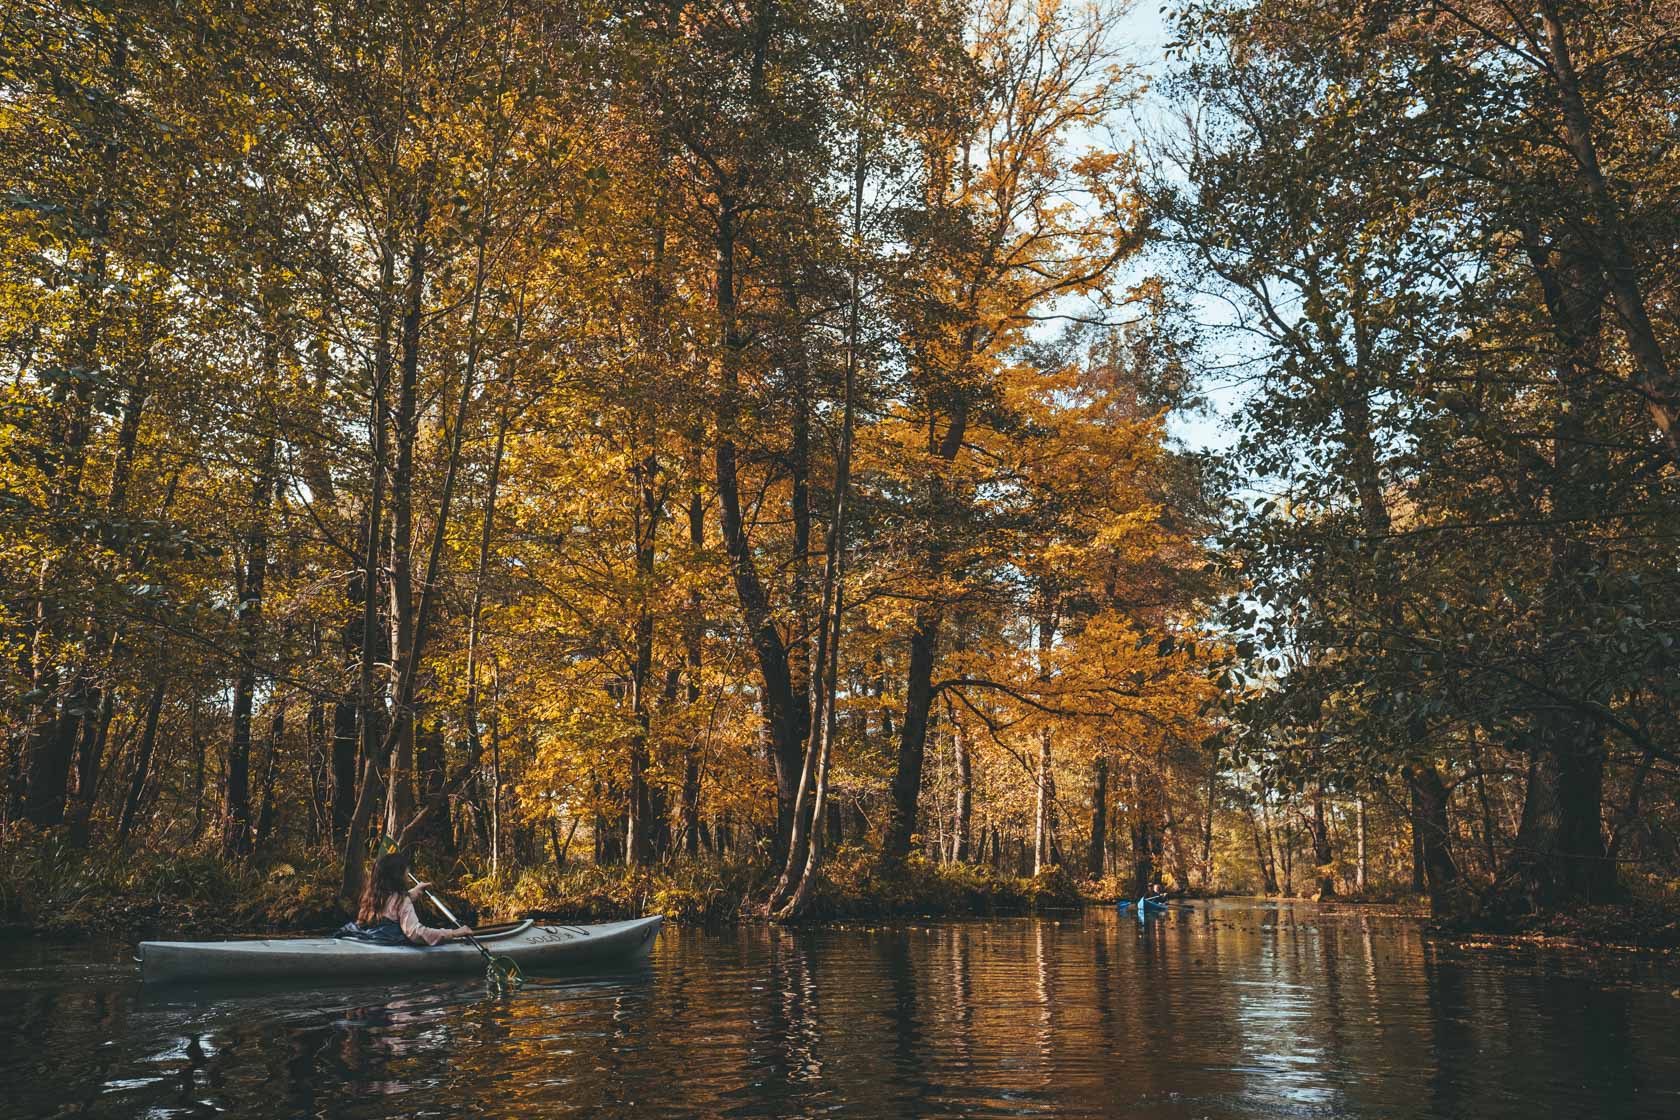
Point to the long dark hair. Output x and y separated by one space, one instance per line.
388 878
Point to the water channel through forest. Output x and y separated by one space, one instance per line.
1227 1009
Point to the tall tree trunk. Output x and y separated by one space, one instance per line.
785 717
355 833
918 697
1361 867
96 730
51 746
317 473
825 669
1143 854
962 825
142 764
804 658
1559 856
101 698
198 786
924 638
1044 832
1279 855
1175 840
344 739
693 651
399 777
1434 834
1262 854
432 827
1420 879
1207 826
266 813
236 800
1431 860
642 822
470 714
1044 856
1145 833
1095 861
408 671
317 764
1650 365
649 807
1489 854
1286 857
1322 854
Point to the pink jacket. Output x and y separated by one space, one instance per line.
400 909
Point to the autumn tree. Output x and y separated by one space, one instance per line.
1012 216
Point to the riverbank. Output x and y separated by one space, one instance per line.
49 889
854 886
1642 923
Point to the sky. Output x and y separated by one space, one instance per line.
1142 35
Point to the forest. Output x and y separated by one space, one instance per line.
729 456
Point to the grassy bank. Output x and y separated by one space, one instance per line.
49 888
854 887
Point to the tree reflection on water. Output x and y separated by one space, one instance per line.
1224 1010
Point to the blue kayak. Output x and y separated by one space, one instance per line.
1144 905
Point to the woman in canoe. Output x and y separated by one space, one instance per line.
387 910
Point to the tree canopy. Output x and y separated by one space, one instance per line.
741 432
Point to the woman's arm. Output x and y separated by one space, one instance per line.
417 932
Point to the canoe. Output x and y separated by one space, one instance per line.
533 946
1144 905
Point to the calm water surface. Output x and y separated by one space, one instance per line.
1227 1010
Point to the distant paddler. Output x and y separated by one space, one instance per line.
1152 902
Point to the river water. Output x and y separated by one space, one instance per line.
1229 1009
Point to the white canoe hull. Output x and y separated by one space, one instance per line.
532 945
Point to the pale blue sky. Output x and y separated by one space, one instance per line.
1141 36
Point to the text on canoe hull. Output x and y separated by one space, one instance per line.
547 935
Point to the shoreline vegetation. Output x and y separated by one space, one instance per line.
57 896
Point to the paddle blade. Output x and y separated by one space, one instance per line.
501 974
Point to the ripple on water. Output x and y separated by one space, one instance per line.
1222 1011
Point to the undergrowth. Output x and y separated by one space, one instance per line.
853 885
54 888
50 887
684 891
